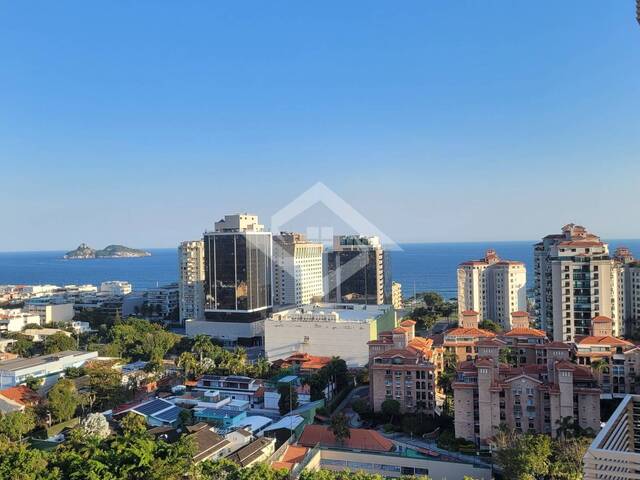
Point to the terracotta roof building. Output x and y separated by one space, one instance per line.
360 439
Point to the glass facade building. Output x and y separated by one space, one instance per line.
237 275
357 272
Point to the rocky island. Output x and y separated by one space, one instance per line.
111 251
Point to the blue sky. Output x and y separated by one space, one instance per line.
144 122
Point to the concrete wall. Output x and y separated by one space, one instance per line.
347 340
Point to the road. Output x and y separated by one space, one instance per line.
358 392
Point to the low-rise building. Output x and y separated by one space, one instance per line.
233 386
116 287
156 412
257 451
163 300
611 359
16 399
50 312
372 453
41 334
327 329
15 320
48 367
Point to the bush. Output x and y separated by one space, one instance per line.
388 427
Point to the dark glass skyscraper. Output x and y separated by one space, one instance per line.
358 271
237 272
237 284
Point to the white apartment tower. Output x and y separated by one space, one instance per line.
297 270
492 287
575 280
628 275
191 284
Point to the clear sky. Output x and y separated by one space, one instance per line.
144 122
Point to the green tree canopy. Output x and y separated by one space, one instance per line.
63 400
58 342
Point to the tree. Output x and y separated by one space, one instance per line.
58 342
339 426
508 355
390 408
95 425
288 398
567 458
133 424
361 407
261 368
567 428
527 458
23 346
106 385
33 383
202 346
20 462
432 300
187 362
490 325
15 425
63 400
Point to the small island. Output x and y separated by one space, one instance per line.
111 251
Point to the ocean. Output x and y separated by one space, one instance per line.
423 266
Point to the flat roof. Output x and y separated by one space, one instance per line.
347 312
21 363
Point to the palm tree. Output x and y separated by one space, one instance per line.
202 346
566 427
261 367
188 362
340 427
599 366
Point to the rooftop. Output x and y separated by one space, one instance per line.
22 363
360 439
332 312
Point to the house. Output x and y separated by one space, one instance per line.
222 418
257 451
238 438
209 445
234 386
283 429
157 412
16 399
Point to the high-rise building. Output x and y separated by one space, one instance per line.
357 271
575 280
396 296
492 287
191 283
628 307
237 285
297 270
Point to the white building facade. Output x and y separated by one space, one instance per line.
493 287
297 270
116 287
575 280
191 282
342 330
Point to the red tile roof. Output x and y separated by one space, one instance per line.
604 340
21 394
601 319
519 314
470 312
469 332
525 332
399 330
407 323
360 439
